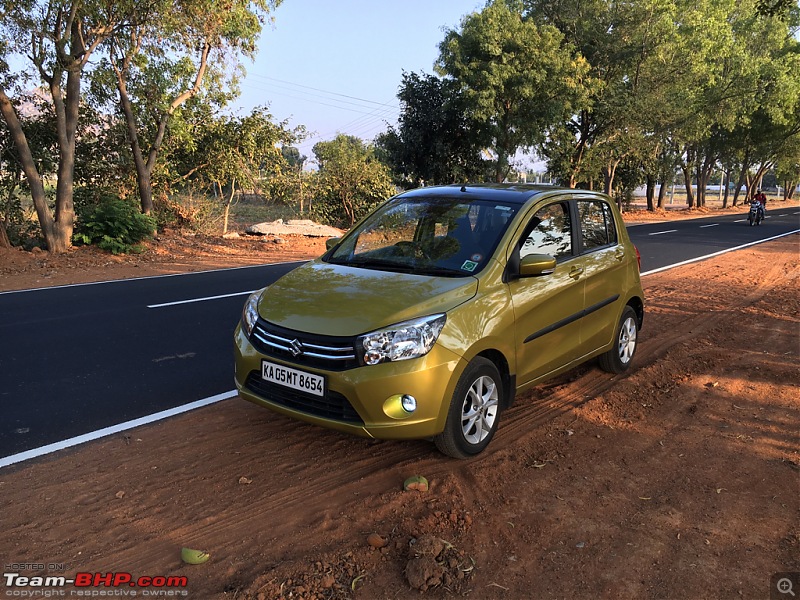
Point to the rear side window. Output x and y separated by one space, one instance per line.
597 224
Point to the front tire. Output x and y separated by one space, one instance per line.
619 358
474 411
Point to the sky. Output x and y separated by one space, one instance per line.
335 66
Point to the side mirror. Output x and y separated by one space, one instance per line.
535 265
331 242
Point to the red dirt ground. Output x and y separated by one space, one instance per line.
680 479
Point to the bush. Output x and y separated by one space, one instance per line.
195 213
114 225
22 226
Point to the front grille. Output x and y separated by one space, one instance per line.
331 406
321 351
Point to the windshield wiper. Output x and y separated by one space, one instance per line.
440 271
375 263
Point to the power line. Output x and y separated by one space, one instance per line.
308 87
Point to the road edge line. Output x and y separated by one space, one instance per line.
107 431
712 255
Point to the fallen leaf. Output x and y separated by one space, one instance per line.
245 481
194 557
355 581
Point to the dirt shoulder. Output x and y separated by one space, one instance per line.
678 480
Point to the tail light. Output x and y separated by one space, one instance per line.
638 258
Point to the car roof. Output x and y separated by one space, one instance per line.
517 193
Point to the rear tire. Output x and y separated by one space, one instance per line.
474 411
619 358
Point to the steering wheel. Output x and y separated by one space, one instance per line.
413 249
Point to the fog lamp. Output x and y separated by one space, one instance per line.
409 403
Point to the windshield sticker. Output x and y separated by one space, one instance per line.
469 265
476 258
504 208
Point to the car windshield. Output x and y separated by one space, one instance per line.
428 236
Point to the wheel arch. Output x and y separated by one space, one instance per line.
637 304
509 380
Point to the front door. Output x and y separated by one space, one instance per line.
547 308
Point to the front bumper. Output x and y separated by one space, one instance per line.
362 401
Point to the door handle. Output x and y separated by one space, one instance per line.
575 272
620 254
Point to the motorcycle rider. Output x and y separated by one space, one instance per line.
761 198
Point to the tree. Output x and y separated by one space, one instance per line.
518 78
350 181
436 140
38 121
58 38
238 150
162 62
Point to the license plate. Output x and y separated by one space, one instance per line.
293 378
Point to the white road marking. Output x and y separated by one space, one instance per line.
663 232
712 225
105 432
199 299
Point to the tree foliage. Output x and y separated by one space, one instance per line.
166 56
350 180
437 140
157 54
519 77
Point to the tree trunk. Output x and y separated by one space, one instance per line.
745 167
228 206
143 173
4 241
687 183
609 171
662 193
35 183
66 125
144 170
651 191
726 181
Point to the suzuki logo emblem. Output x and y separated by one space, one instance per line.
296 347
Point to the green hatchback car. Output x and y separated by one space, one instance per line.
433 312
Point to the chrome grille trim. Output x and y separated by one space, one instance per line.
318 351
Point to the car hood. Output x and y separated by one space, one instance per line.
336 300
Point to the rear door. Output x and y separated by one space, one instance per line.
605 265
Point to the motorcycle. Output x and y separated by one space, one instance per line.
756 213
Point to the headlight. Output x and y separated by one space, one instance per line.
250 312
411 339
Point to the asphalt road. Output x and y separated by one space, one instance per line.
77 359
